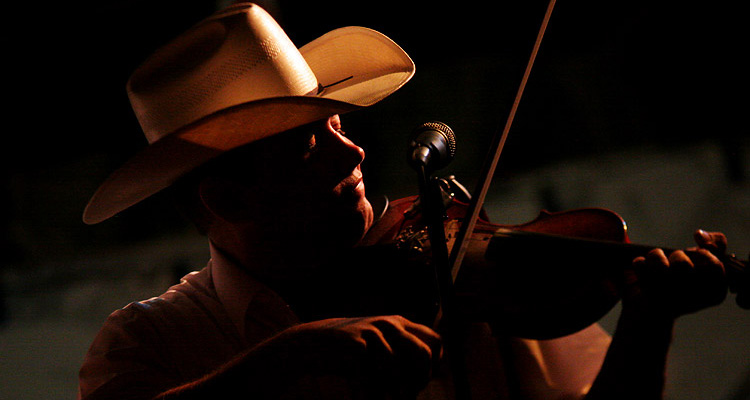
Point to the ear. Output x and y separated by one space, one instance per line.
225 199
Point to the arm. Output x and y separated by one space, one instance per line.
378 353
658 289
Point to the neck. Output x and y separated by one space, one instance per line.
290 268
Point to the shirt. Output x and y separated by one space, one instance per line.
214 314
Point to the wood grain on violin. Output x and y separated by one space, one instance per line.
542 279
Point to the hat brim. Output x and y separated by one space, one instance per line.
374 67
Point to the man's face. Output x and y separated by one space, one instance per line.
308 182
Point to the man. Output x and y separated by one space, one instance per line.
244 130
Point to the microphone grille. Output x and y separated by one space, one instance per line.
447 133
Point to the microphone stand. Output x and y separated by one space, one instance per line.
446 320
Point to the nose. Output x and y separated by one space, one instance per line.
343 152
351 151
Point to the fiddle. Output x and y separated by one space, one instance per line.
545 278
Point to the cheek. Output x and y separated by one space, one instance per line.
350 225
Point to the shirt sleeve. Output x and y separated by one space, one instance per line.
126 359
562 368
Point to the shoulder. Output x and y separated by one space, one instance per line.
189 312
179 335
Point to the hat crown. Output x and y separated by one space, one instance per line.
236 56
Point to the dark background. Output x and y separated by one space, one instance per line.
609 76
653 91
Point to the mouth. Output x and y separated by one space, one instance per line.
358 183
353 185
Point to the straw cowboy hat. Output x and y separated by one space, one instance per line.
235 78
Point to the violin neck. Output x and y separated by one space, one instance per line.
619 252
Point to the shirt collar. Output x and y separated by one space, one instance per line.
247 300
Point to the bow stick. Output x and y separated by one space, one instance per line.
477 200
448 265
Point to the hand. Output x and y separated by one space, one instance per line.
683 282
387 353
381 357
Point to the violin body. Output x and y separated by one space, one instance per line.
543 279
524 287
537 280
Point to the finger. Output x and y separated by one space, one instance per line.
379 354
630 277
654 266
632 292
421 332
656 259
406 336
713 241
710 275
428 336
432 339
704 259
413 357
680 263
706 265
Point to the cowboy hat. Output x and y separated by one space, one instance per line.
235 78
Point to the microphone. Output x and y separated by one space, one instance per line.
432 146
